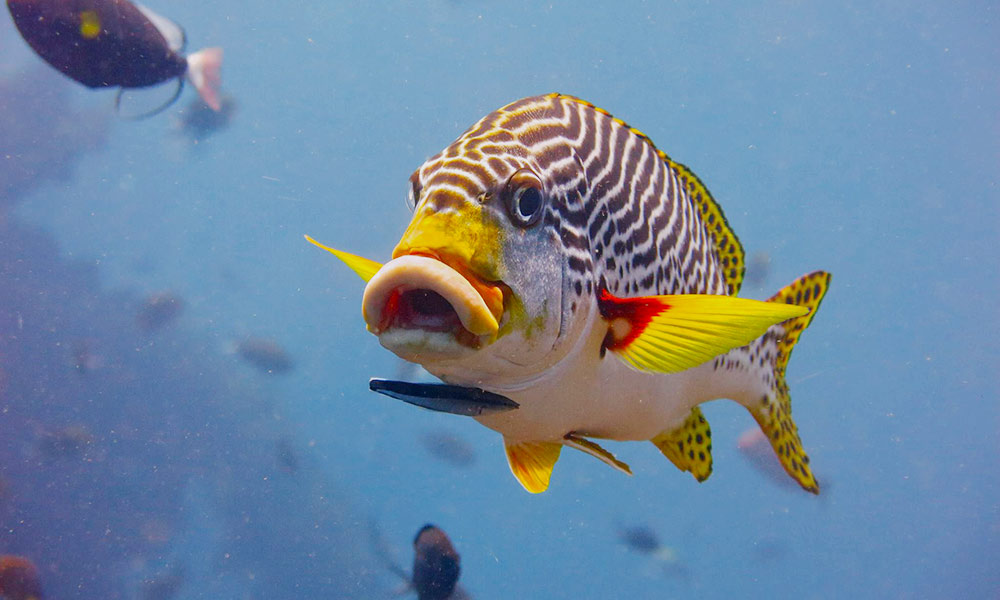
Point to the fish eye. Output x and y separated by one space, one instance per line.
524 197
413 195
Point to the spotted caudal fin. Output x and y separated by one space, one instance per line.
689 446
774 411
532 463
204 74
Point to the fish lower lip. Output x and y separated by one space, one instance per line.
422 293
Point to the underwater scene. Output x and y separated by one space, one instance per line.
458 299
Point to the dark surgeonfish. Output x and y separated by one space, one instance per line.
436 565
114 43
19 579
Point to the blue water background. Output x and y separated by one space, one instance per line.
858 138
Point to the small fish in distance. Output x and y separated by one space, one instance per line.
159 310
436 565
19 579
198 121
265 354
448 447
116 44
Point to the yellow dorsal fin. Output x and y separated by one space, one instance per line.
666 334
592 448
689 446
532 462
774 411
364 267
727 245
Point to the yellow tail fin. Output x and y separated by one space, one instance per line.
774 412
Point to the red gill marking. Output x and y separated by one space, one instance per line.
638 312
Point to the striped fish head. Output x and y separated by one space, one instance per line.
476 290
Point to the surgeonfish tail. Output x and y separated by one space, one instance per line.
774 411
204 74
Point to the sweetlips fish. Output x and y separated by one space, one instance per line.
569 282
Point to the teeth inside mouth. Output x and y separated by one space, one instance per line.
420 292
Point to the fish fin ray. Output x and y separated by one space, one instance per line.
594 449
666 334
689 446
773 412
532 463
364 267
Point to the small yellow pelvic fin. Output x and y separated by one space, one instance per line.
689 446
592 448
666 334
364 267
532 463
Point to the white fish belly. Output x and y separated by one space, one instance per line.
605 398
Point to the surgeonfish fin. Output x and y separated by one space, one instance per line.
532 463
689 446
171 32
204 74
440 397
364 267
592 448
774 411
666 334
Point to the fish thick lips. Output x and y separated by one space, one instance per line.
415 272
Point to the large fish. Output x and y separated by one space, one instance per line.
115 43
558 259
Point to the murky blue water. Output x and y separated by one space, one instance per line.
863 140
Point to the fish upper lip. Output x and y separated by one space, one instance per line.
478 304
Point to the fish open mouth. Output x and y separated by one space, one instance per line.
419 304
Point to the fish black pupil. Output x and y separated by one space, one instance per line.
529 199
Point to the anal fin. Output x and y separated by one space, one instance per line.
532 463
594 449
689 446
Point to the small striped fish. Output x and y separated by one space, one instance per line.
558 258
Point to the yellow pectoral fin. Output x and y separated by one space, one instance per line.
666 334
689 446
365 268
592 448
532 462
